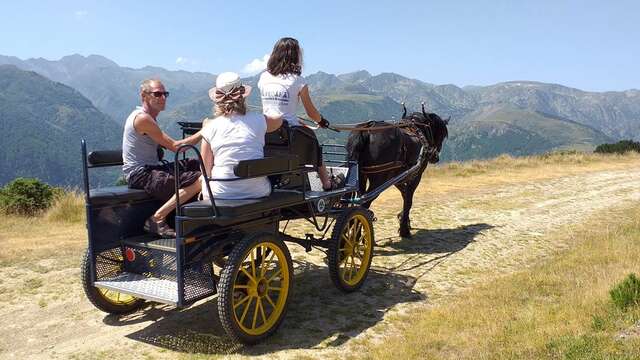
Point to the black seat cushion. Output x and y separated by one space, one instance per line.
237 208
116 195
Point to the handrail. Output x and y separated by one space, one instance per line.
176 174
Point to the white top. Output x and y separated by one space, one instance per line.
280 95
240 137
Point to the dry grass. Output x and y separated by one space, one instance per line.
68 207
505 169
558 309
30 239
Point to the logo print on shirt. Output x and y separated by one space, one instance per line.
275 94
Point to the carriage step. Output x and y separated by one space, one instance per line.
149 241
154 289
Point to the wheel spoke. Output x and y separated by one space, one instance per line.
264 318
241 302
346 239
265 264
246 310
274 288
270 301
253 263
274 275
255 313
353 266
240 287
247 273
343 260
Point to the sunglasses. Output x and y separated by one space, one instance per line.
158 94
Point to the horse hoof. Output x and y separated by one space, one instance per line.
405 234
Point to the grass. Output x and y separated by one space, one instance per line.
558 309
68 207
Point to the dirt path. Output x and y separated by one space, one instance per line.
460 239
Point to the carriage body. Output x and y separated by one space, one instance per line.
230 248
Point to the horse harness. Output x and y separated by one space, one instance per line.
411 128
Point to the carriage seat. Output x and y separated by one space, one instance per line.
238 208
114 195
250 169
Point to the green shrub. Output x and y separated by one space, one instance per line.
626 293
25 197
620 147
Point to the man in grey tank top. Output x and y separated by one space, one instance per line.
142 169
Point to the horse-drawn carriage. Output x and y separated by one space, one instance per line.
232 248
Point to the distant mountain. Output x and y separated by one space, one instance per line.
42 122
505 128
486 120
113 89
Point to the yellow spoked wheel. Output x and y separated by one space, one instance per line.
254 288
351 249
109 301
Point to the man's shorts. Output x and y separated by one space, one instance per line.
159 181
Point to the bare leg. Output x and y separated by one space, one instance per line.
324 177
184 193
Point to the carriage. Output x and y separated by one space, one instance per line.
234 249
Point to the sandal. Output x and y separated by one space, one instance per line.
159 228
337 181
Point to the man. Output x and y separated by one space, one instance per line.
142 169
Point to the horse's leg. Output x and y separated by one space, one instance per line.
407 190
374 182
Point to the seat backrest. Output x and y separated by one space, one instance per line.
266 166
104 158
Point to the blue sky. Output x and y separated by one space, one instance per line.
591 45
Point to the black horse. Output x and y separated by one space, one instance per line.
384 153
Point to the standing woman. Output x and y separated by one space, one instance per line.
281 87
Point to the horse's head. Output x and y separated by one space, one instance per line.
434 129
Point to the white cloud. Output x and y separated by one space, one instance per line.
256 65
81 14
186 62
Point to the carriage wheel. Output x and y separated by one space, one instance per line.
254 287
351 249
109 301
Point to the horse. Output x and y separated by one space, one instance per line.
391 149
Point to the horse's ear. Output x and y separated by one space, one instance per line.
424 113
404 111
446 121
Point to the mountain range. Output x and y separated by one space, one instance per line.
516 117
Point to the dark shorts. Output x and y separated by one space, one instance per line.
158 180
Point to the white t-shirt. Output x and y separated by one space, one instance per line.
280 95
235 138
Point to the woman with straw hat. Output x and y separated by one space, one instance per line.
234 135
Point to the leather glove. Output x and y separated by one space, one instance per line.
324 123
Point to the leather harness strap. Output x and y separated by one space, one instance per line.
410 129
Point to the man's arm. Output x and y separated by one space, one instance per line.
144 124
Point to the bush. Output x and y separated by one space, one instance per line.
25 196
620 147
626 293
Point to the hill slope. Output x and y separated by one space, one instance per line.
497 129
42 122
